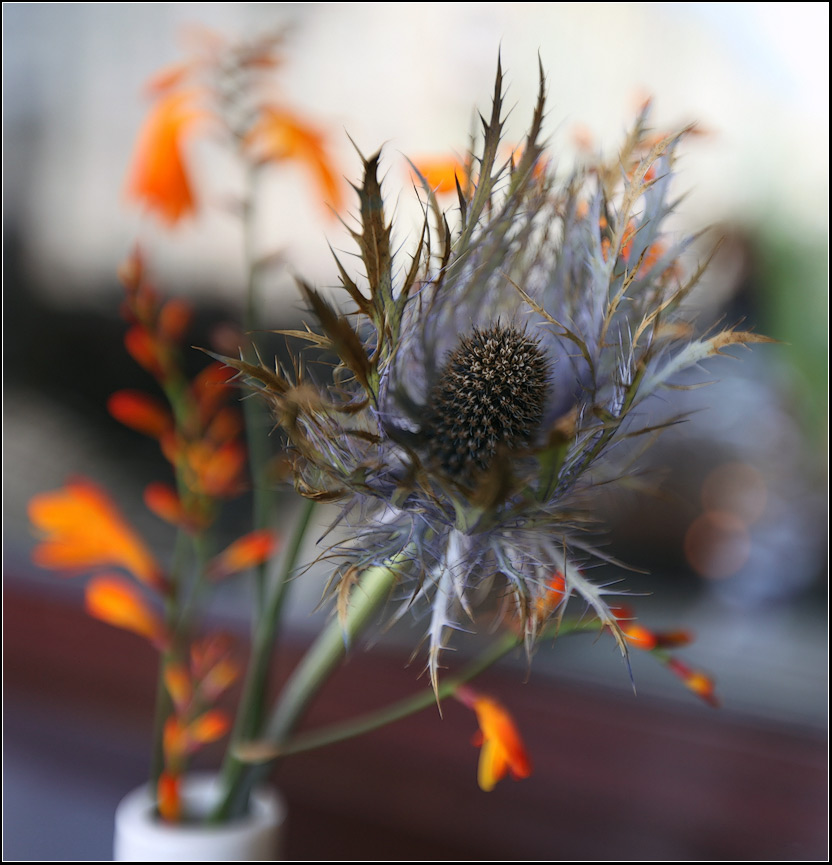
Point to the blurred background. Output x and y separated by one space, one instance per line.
736 545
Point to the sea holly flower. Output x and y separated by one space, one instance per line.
502 749
488 386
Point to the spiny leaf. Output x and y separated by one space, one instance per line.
262 374
344 339
697 351
374 240
354 292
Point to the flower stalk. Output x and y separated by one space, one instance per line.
316 666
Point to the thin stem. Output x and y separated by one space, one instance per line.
250 716
256 419
319 662
411 705
164 705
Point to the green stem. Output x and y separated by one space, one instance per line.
163 705
256 418
250 716
416 703
316 666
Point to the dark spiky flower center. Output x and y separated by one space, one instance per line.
489 394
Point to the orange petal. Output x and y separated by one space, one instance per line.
218 470
157 176
83 529
116 602
143 347
174 740
169 802
673 639
178 684
639 637
210 389
140 412
552 598
168 78
225 426
701 684
208 651
220 677
502 749
163 501
442 173
247 552
280 135
492 766
174 320
209 727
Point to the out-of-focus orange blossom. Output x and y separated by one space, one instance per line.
113 600
83 529
442 173
501 749
221 88
158 176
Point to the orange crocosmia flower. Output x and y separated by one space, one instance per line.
178 684
502 749
219 677
158 177
164 501
83 529
209 651
208 727
218 471
279 135
174 740
115 601
247 552
673 639
168 78
174 319
701 684
210 388
225 426
553 596
168 799
643 638
140 412
144 348
441 174
637 635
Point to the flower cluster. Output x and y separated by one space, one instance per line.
223 90
82 529
487 387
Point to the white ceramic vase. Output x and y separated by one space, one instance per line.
141 837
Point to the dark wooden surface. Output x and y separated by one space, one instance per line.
615 777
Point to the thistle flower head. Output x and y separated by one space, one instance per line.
486 386
488 394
